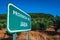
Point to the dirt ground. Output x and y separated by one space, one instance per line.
34 35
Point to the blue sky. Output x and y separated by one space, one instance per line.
32 6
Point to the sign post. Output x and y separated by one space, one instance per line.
14 36
17 20
28 35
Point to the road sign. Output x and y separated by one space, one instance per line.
17 20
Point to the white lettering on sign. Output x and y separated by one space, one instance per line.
23 24
19 15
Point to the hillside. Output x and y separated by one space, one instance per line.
44 27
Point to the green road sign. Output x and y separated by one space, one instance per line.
17 20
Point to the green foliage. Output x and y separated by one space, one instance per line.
57 23
0 26
3 16
41 21
2 23
38 19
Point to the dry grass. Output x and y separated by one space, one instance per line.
34 35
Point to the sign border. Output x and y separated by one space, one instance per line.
8 20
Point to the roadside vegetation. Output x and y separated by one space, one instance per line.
40 21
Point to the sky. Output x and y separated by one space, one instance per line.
33 6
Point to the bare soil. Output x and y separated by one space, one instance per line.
34 35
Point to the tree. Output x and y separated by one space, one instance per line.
41 19
3 16
57 23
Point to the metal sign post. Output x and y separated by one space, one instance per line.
14 36
28 35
